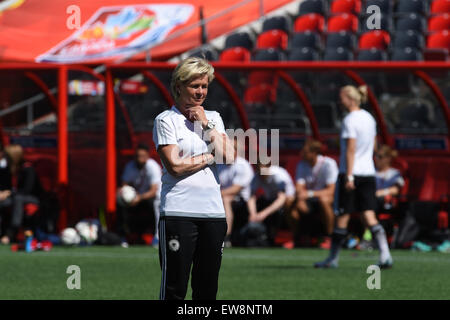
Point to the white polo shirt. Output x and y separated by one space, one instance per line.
142 179
238 173
196 195
324 173
279 180
361 126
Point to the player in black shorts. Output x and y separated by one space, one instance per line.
356 184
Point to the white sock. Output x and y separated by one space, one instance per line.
380 236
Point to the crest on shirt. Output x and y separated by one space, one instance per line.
174 245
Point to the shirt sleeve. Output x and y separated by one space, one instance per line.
348 130
300 174
153 173
282 186
220 127
398 179
163 132
281 182
331 172
244 175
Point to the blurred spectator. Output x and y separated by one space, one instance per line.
235 180
389 180
5 189
144 175
316 177
24 196
278 195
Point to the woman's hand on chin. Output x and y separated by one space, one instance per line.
197 113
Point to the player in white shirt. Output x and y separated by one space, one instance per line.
316 177
278 196
356 182
192 224
144 175
235 180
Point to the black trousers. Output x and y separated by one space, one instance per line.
186 242
18 219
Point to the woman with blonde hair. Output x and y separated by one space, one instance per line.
192 223
356 186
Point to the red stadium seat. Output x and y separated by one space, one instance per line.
346 6
262 93
439 23
435 181
377 39
438 46
262 77
30 209
440 6
343 22
439 40
276 39
235 54
309 22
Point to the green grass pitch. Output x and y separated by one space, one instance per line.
278 274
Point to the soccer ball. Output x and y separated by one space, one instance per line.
70 236
87 231
128 194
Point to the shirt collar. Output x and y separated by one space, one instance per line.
319 158
176 109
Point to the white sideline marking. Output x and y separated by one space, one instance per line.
290 256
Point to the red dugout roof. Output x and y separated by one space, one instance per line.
38 30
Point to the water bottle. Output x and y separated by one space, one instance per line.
28 240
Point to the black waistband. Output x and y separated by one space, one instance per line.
178 218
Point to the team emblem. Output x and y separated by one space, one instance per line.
174 245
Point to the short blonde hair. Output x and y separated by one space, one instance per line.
189 69
359 94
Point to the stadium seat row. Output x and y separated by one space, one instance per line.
308 46
332 30
349 22
330 54
347 14
422 7
377 39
